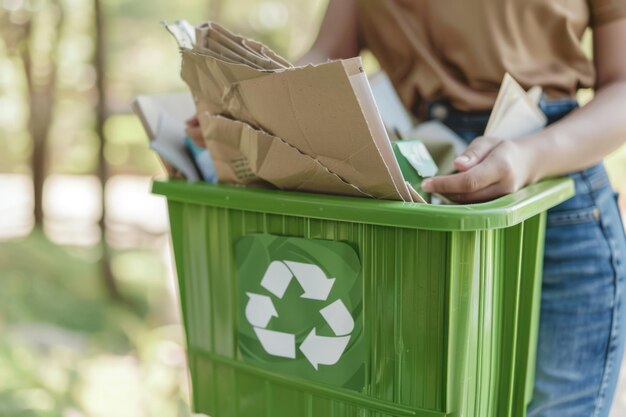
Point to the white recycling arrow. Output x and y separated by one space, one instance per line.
338 318
260 310
277 278
312 279
323 350
277 343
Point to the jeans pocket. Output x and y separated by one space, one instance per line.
577 253
573 216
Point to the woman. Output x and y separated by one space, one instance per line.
446 59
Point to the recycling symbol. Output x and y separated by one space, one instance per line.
300 307
260 309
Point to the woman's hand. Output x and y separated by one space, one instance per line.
489 168
194 131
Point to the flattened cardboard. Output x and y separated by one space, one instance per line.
245 155
325 112
211 40
313 108
241 46
365 97
253 46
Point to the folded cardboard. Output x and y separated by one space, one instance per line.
245 155
315 128
326 112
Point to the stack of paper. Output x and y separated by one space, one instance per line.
163 118
313 128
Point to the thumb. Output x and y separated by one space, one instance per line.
476 152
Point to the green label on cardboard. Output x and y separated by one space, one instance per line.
418 156
300 308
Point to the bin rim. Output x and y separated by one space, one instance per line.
503 212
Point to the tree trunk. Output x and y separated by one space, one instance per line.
101 113
41 98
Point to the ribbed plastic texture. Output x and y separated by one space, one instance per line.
450 316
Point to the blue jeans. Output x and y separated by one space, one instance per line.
583 303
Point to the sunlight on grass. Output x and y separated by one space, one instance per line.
68 351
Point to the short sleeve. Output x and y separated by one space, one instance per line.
604 11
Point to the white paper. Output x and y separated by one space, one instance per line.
434 130
163 118
395 116
183 32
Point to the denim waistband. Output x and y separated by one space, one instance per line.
470 124
591 179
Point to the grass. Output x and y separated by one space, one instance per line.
67 350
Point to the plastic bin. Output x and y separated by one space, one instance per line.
305 305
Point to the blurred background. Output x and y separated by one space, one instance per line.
89 321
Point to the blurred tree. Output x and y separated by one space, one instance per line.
101 116
33 35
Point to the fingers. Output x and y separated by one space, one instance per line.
476 152
502 171
193 122
195 133
486 194
470 181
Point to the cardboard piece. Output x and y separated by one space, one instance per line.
245 155
326 112
515 113
249 51
396 117
317 128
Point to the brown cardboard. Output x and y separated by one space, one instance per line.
245 155
216 41
313 108
253 46
326 113
243 47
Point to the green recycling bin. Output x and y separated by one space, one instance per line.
307 305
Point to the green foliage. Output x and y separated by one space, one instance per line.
67 350
141 58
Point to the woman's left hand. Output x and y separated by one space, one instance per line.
489 168
193 130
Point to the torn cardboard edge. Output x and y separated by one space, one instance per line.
255 145
238 61
231 88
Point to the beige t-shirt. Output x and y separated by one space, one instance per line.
460 49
